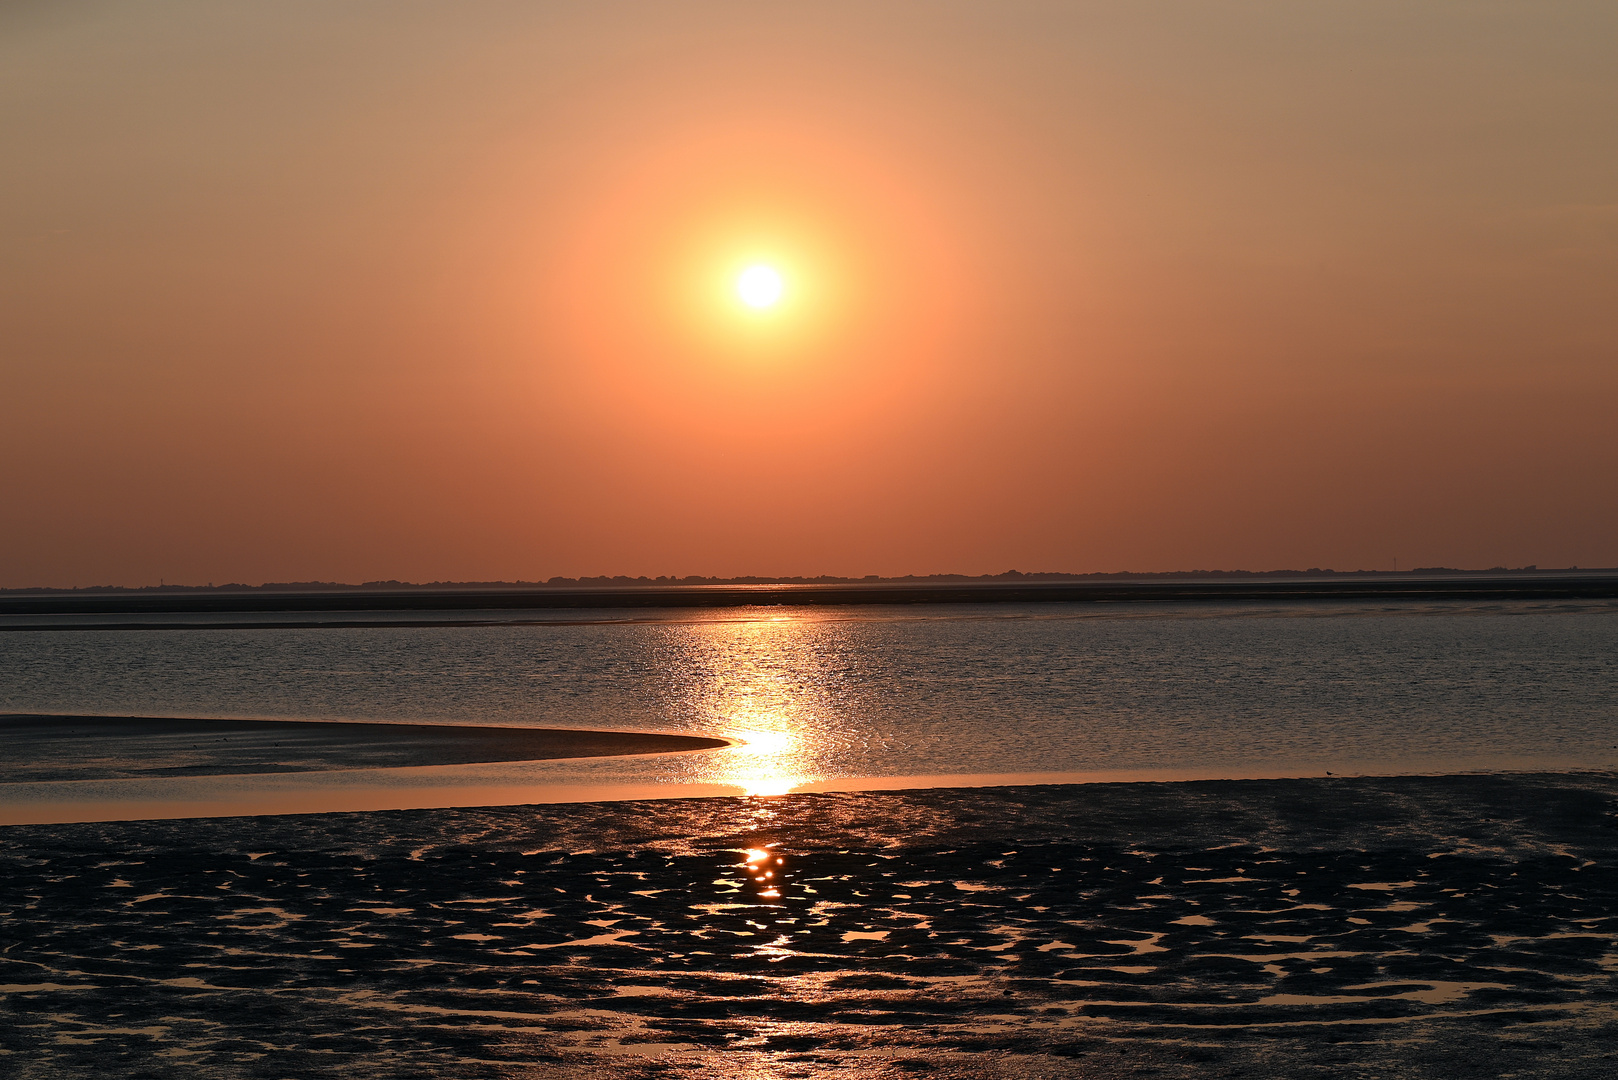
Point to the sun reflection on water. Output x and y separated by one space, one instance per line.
763 762
770 686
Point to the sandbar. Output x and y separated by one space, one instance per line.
38 748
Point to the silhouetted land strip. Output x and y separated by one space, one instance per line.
45 748
1540 585
1416 927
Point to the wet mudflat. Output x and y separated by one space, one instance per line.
1428 927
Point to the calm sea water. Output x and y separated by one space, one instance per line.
820 695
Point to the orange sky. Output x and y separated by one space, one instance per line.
437 292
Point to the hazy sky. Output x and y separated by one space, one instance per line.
349 291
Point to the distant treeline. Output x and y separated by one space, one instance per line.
622 580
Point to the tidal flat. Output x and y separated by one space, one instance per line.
1444 926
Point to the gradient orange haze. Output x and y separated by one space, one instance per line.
362 291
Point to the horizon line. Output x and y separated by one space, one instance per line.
643 581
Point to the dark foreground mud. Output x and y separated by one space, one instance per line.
1416 927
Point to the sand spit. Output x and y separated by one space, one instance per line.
1411 927
36 749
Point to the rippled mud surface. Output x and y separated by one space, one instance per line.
1433 927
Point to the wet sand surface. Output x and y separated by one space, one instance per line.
35 749
1409 927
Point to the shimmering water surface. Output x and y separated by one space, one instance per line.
822 697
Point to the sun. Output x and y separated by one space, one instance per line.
760 286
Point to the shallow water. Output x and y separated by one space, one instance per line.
833 697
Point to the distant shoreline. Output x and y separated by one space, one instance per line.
1281 587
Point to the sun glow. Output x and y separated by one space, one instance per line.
705 274
760 286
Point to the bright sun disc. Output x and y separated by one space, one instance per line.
759 286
